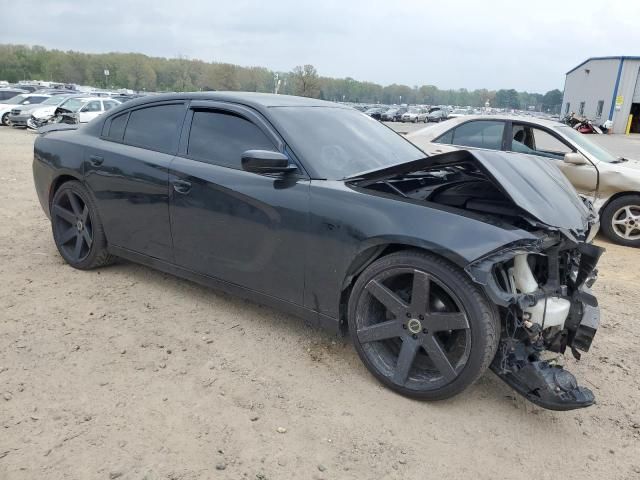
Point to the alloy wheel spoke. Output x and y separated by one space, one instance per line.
390 300
438 357
87 238
621 221
627 231
85 214
75 205
420 292
405 360
438 322
70 233
78 247
380 331
65 214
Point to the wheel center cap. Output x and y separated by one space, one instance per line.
414 325
79 225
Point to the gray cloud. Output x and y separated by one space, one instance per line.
454 44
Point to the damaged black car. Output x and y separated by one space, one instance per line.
438 268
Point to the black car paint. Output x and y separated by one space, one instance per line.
290 241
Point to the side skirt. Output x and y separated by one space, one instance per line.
314 318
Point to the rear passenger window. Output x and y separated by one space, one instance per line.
479 134
155 128
116 127
221 138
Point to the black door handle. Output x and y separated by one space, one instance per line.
96 160
181 186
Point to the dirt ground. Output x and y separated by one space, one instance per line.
129 373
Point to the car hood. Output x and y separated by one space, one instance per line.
533 184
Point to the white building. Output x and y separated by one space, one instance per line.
605 88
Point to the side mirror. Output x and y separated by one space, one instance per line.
574 158
266 161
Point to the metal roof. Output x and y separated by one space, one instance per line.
620 57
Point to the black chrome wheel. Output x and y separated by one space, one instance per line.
72 220
420 326
77 230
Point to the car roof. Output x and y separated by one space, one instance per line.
429 133
252 99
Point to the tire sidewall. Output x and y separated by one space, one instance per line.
467 293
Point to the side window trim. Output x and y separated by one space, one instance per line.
240 110
108 121
244 112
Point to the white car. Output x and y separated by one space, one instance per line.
22 99
20 114
88 108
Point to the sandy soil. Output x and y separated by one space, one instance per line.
130 373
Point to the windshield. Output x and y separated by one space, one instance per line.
55 100
339 142
587 145
16 100
73 104
414 110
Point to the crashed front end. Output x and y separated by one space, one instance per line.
543 294
539 284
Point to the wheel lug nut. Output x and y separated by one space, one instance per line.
421 317
424 330
414 336
408 315
404 325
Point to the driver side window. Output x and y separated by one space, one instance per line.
536 141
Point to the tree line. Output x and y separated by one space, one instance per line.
140 72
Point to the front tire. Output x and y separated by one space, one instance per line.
420 326
77 229
5 119
620 220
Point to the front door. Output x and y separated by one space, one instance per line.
240 227
526 138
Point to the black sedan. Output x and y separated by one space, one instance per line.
438 267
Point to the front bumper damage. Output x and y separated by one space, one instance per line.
566 269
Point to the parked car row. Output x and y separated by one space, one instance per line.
413 114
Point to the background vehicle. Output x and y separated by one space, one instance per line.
85 109
459 112
20 115
437 114
612 183
407 268
7 93
414 114
22 99
394 114
375 112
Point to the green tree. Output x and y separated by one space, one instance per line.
305 81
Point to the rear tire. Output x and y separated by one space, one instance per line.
620 220
5 119
420 326
77 229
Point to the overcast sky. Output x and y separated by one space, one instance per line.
451 44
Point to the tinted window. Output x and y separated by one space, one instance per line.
445 138
221 138
155 128
481 134
35 99
116 127
5 95
341 142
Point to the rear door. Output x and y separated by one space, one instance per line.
127 169
245 228
536 140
